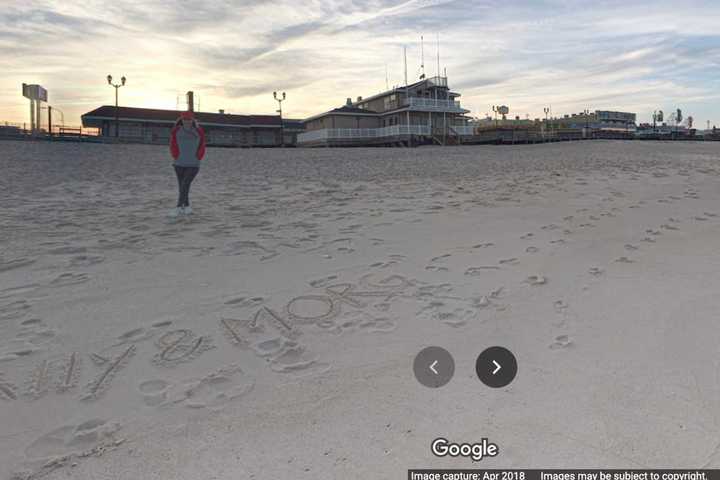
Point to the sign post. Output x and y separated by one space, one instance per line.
36 94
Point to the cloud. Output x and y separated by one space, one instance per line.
643 55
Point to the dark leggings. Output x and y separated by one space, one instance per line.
185 176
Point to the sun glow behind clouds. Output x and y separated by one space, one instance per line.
571 55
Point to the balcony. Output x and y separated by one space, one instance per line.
362 133
423 104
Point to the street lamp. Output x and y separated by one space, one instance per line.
587 121
117 116
546 110
495 109
279 99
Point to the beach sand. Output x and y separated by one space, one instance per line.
272 333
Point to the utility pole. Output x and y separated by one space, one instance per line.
280 99
50 120
117 108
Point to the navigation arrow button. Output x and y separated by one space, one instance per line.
433 367
496 367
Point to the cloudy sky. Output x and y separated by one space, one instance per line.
617 55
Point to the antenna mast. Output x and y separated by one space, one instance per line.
438 54
422 58
387 85
405 63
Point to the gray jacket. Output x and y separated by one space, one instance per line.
187 146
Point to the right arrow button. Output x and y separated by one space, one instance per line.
496 367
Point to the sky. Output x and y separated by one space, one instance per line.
637 56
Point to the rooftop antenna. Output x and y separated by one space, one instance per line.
405 63
422 58
438 54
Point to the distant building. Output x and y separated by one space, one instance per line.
144 125
291 129
424 112
598 120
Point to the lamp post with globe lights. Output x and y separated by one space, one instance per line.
280 98
117 116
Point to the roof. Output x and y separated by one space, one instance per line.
349 109
169 116
344 110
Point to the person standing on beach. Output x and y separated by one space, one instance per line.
187 147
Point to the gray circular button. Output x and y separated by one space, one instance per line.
496 367
434 367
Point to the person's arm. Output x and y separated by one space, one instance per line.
174 149
201 147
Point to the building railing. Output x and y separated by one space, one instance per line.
463 129
440 105
362 133
17 129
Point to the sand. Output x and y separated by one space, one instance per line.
272 333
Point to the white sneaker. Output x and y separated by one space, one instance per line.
175 212
187 210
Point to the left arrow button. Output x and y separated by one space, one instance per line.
433 367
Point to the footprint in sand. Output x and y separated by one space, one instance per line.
69 278
361 321
561 342
67 250
86 260
32 336
212 391
624 260
74 439
483 245
14 310
439 258
298 362
477 271
536 280
141 333
12 264
154 392
527 236
509 261
433 268
322 282
630 247
245 302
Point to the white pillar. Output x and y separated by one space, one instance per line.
32 116
38 103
